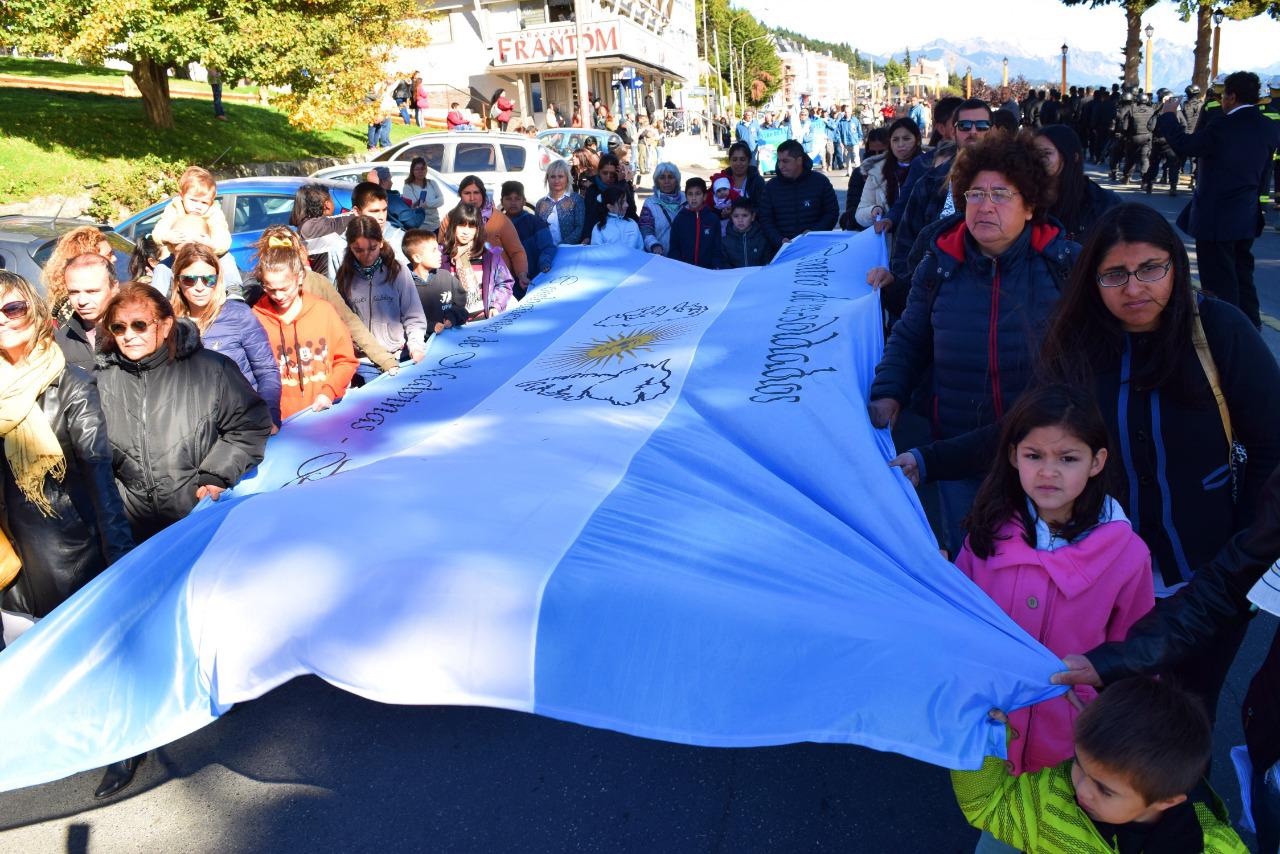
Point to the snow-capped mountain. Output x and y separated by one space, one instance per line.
1171 67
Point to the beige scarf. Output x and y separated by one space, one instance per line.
30 444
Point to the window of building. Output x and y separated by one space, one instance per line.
532 13
560 11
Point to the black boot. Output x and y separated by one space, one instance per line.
118 776
1146 188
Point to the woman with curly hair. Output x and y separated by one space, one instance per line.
979 304
86 239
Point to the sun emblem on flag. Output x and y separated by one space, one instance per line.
599 352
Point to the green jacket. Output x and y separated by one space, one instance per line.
1038 813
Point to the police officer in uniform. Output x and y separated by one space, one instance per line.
1188 117
1137 142
1271 109
1162 153
1119 131
1212 105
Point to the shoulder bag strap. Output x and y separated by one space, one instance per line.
1211 373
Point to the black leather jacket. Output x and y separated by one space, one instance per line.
1215 598
178 425
88 531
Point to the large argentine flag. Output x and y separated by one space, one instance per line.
648 499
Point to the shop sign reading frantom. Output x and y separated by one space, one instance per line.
556 42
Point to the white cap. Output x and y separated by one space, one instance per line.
1274 83
720 183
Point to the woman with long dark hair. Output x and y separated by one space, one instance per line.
380 291
1080 201
481 270
885 177
1156 353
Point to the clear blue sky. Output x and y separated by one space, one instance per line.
1040 25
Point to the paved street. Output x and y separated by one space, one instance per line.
311 768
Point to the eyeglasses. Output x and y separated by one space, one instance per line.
190 281
980 125
998 196
15 310
138 327
1146 273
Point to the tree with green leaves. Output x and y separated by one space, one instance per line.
761 74
1133 12
895 73
327 53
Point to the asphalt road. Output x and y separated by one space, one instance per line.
311 768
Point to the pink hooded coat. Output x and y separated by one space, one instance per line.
1070 599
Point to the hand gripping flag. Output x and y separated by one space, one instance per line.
647 499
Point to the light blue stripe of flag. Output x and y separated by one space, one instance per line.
651 502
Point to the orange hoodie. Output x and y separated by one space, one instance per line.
314 352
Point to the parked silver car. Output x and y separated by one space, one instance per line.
353 173
492 157
26 242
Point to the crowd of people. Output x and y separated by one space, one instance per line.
1103 433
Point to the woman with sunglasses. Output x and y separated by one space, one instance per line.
61 508
1127 326
226 326
183 421
979 303
62 512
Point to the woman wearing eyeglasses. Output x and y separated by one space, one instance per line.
226 326
979 303
183 421
61 510
1127 326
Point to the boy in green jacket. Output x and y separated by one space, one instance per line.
1135 786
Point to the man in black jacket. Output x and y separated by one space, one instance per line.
91 282
1214 601
1224 215
797 199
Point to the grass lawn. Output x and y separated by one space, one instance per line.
71 73
59 142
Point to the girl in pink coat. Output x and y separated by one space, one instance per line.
1053 550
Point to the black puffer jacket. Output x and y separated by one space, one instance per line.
178 425
1215 600
977 321
791 206
88 531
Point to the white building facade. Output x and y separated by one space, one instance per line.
529 47
819 78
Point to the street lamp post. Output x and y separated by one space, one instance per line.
968 81
1151 31
1217 43
742 66
584 85
1004 79
1063 90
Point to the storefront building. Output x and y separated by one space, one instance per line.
529 47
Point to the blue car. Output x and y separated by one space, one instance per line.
250 206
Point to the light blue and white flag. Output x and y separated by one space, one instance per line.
647 499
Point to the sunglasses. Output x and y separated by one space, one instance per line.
972 124
138 327
15 310
190 281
